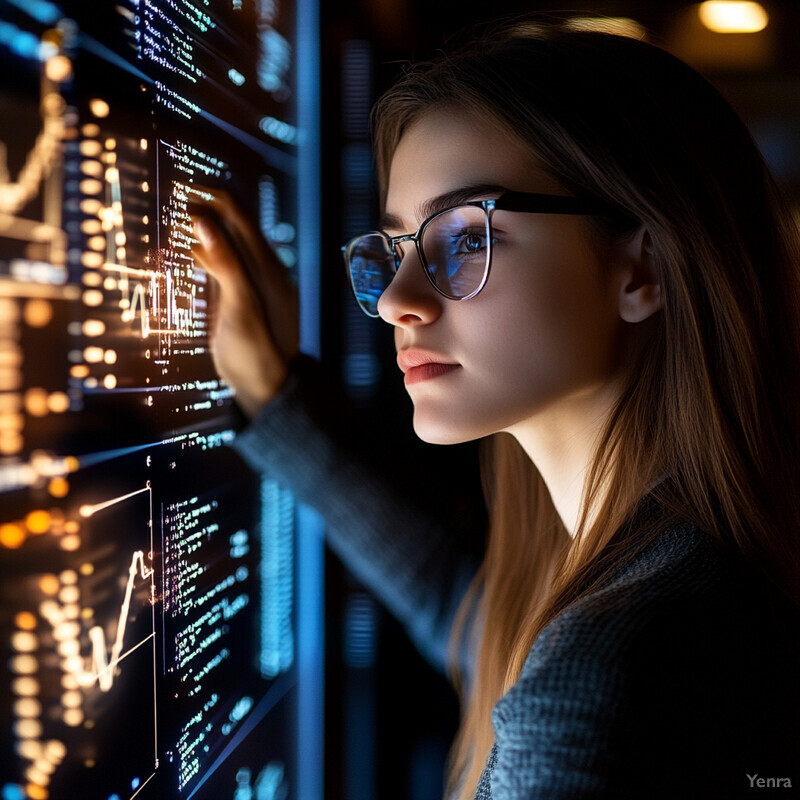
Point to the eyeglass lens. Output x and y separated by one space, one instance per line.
455 245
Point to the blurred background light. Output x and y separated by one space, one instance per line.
726 16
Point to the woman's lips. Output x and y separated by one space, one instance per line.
427 371
421 365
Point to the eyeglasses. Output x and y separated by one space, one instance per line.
454 246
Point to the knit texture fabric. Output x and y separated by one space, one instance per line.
678 678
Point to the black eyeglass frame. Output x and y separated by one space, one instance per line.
526 202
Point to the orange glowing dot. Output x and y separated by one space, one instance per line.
36 402
87 568
79 371
92 168
25 686
68 595
93 355
58 487
99 107
55 750
92 260
70 543
73 717
91 227
43 765
58 68
23 665
24 641
91 186
71 699
49 584
58 402
11 535
38 521
36 792
94 327
93 297
38 312
93 279
10 442
25 621
72 526
110 381
90 148
27 707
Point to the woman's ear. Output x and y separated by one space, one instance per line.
639 287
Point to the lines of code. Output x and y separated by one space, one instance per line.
147 578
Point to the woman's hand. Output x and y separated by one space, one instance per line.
254 328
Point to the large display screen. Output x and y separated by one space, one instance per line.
153 611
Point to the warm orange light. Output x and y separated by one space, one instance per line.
58 487
733 16
25 621
11 536
99 107
37 792
49 584
38 521
38 312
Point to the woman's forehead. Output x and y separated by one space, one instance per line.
446 151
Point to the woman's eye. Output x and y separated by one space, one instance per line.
470 242
473 242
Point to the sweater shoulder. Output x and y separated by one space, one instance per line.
684 602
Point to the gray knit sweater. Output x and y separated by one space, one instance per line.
677 679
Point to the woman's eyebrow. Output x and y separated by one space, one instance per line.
441 202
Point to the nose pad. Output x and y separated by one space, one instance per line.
409 296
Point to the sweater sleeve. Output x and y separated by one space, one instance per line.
398 545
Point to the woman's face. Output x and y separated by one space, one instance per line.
543 337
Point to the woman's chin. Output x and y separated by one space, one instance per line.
438 431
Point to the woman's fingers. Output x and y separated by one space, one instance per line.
263 269
254 318
217 257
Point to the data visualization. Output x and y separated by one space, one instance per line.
153 591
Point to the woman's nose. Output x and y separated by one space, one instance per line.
410 299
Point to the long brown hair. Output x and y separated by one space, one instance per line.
711 399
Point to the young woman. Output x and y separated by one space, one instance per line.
585 260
